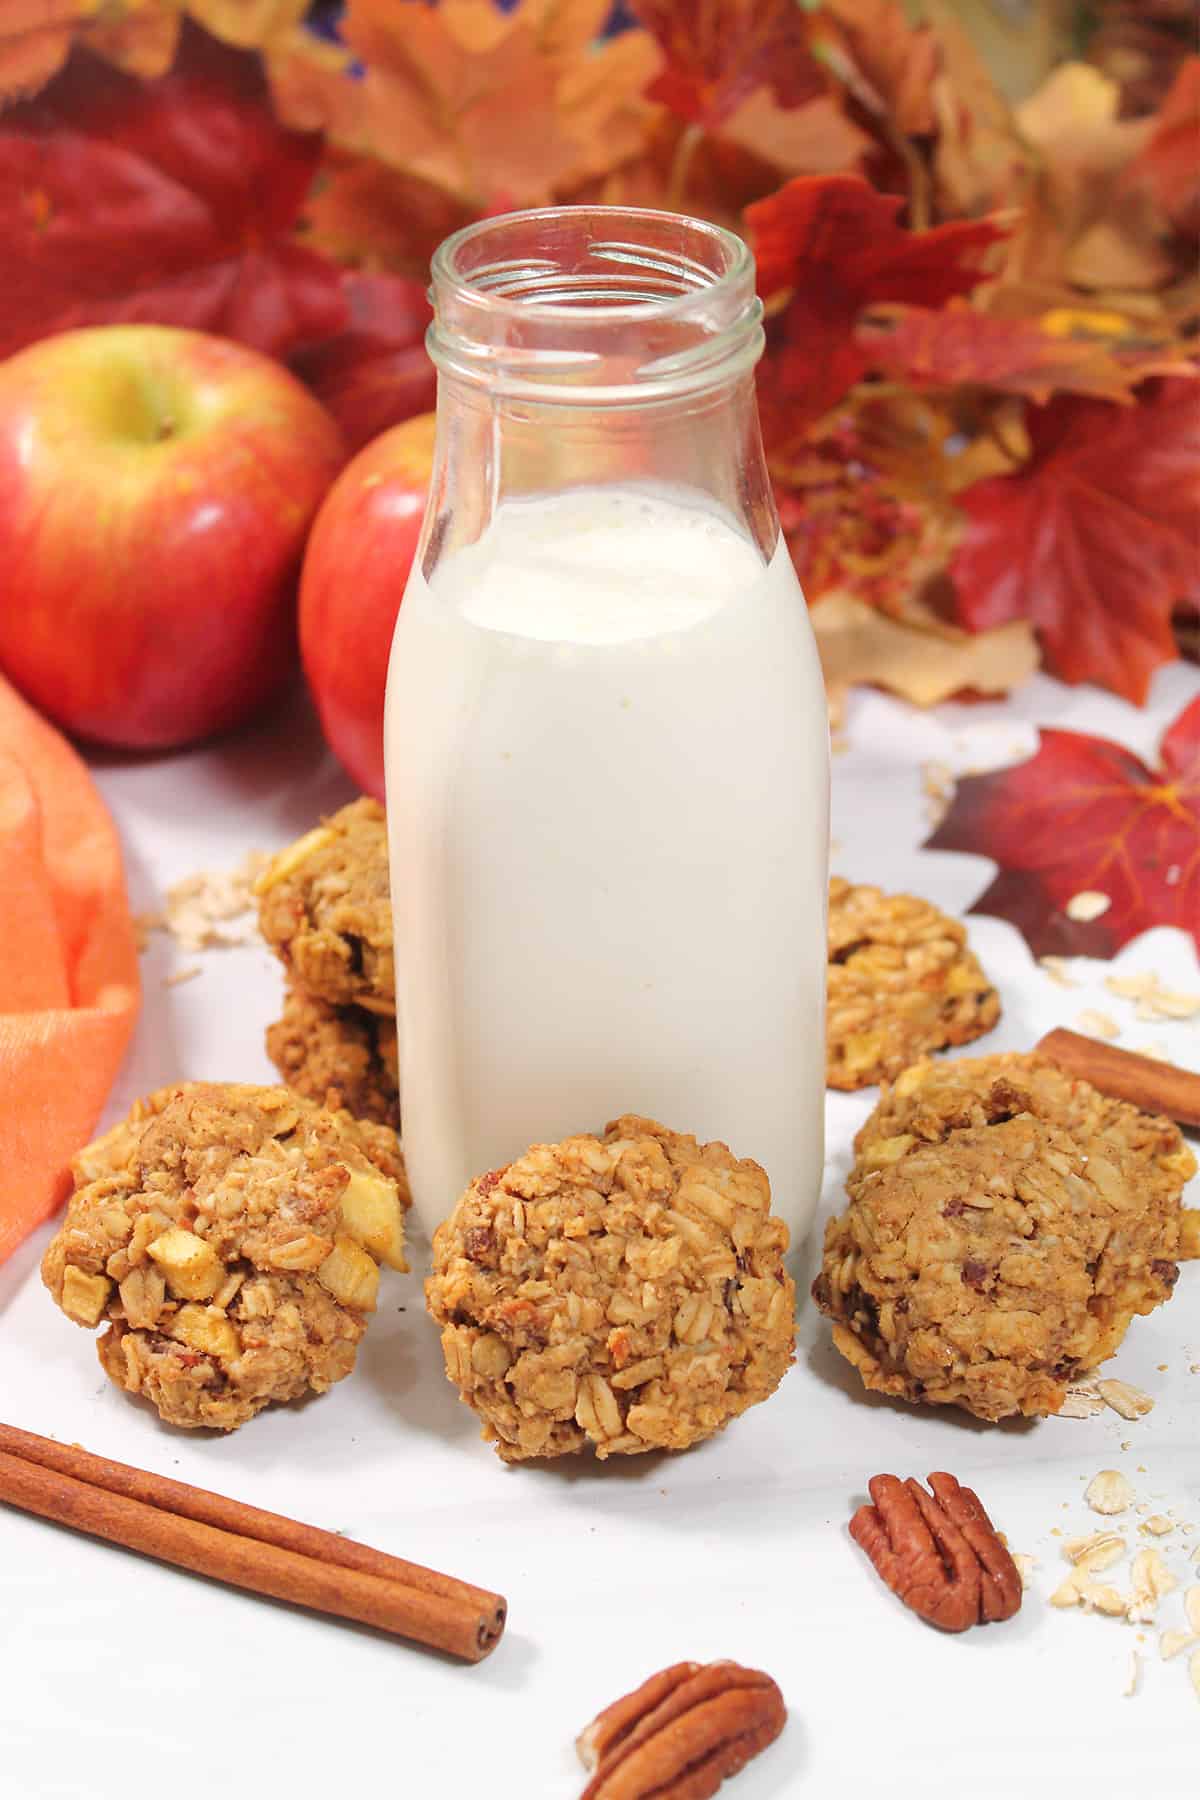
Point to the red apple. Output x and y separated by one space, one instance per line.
359 553
156 489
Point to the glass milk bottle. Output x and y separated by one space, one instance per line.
606 739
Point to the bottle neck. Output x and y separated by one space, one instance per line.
703 448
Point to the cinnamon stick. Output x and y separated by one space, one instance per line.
260 1551
1156 1087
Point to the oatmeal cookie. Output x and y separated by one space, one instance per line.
324 906
1005 1225
343 1056
231 1235
901 982
626 1292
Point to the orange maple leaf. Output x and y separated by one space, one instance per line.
499 109
1065 351
718 52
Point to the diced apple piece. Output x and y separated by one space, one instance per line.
204 1328
350 1275
84 1297
191 1267
372 1214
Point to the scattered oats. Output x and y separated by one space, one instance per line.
1154 1001
1176 1006
1056 968
1191 1608
1097 1596
181 975
937 785
1172 1642
1127 1444
1129 1401
1026 1565
1150 1580
1098 1551
1194 1671
1087 905
1131 1680
1108 1492
1143 1506
1187 1528
1132 987
1082 1402
216 907
1158 1524
1098 1024
144 926
1066 1593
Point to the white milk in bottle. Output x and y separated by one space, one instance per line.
607 791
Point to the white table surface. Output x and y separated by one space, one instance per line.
120 1677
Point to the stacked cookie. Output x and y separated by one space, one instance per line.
325 909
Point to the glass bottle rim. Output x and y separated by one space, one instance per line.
594 304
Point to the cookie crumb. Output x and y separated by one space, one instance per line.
1131 1680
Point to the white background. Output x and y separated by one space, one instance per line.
120 1677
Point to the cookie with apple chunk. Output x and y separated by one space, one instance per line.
324 906
342 1056
901 982
231 1237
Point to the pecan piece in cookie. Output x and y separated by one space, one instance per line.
625 1292
682 1733
324 906
901 982
231 1236
940 1554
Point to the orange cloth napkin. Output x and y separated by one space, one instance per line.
68 964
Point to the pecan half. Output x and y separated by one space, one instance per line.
681 1733
940 1554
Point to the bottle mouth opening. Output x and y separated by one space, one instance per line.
616 300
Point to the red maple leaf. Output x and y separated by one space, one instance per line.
1087 816
827 246
1094 538
376 372
170 201
1168 167
718 52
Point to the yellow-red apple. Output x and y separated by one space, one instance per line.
156 490
359 554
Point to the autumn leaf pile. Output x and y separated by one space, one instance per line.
979 391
